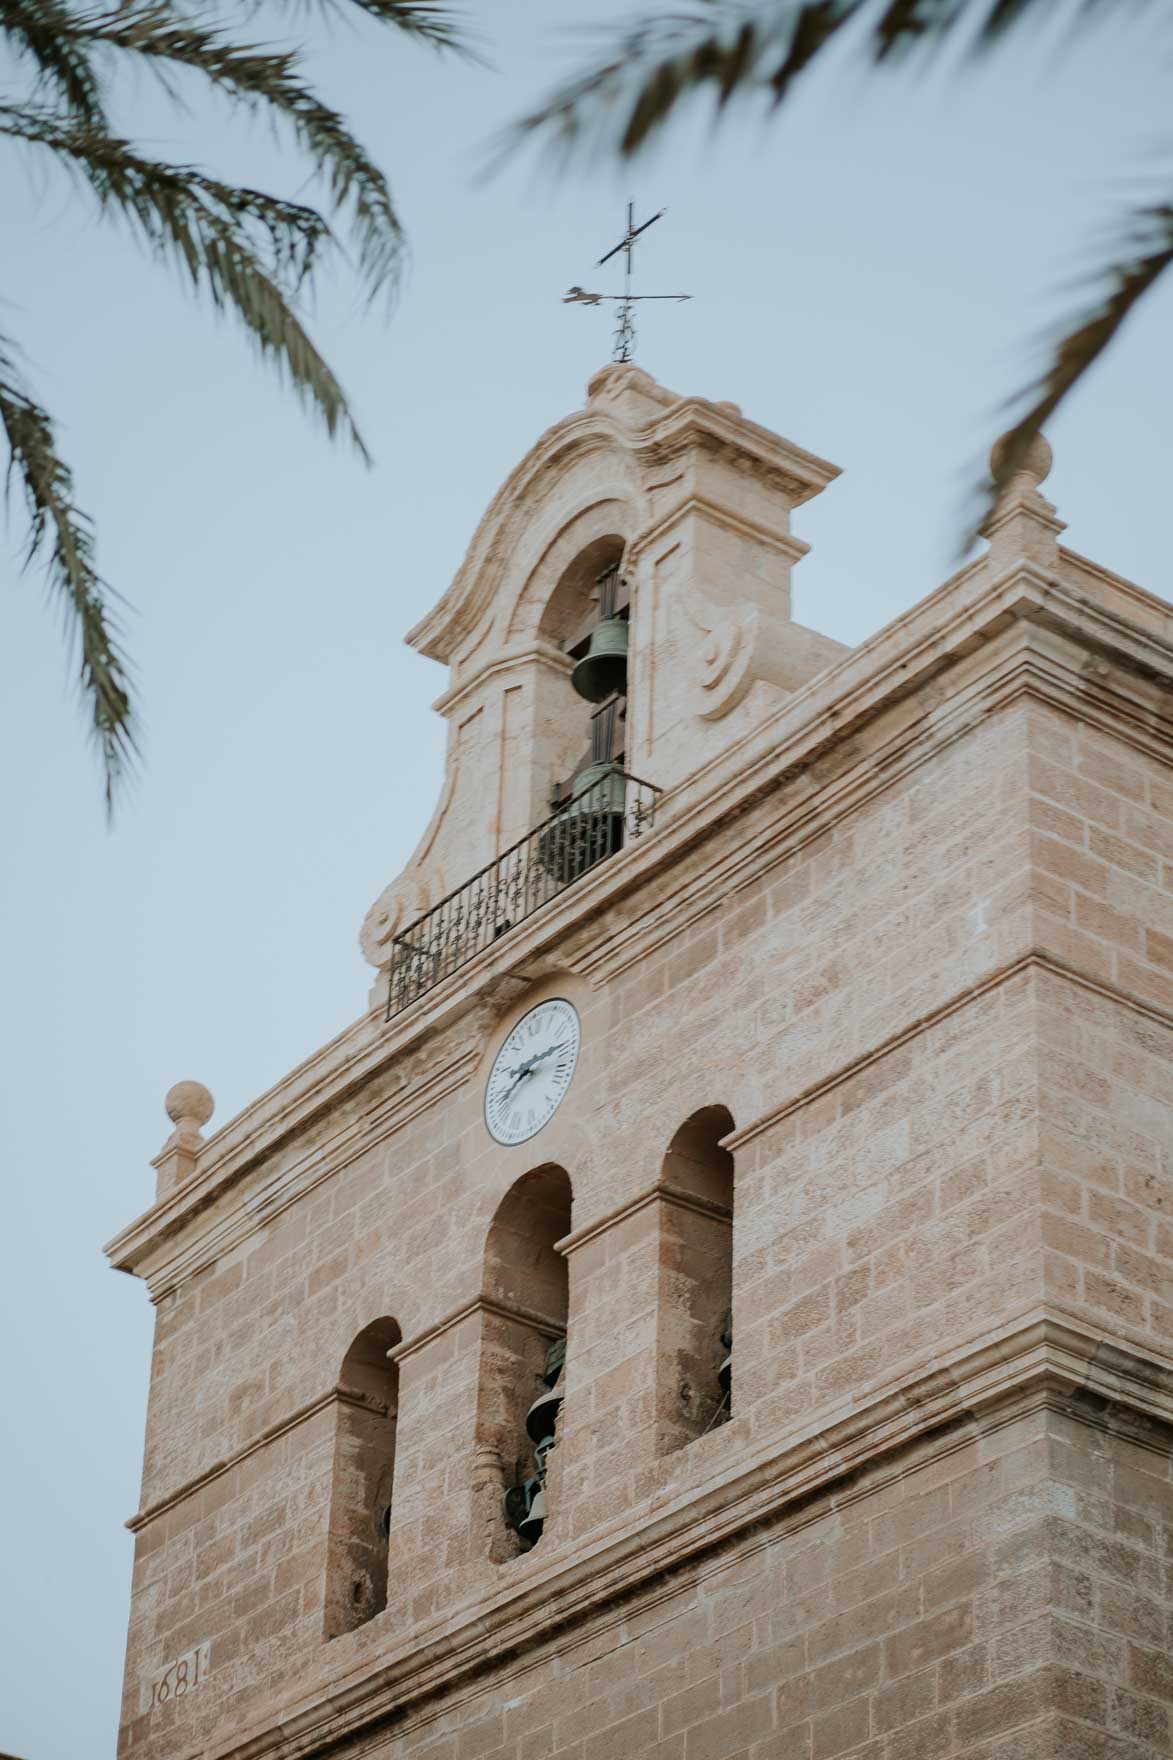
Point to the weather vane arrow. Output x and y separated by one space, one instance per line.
624 342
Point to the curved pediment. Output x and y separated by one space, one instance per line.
693 502
592 455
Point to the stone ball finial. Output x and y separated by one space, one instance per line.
189 1106
1036 464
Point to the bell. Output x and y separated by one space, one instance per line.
531 1528
725 1375
599 788
603 669
517 1501
543 1414
587 829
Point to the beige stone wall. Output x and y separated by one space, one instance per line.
909 923
1001 1592
1005 1595
935 1134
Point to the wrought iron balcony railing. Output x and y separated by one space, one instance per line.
614 809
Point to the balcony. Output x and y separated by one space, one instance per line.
613 810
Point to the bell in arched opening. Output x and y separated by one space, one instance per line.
525 1503
591 825
602 671
725 1372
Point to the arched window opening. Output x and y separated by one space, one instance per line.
523 1357
587 617
367 1398
695 1354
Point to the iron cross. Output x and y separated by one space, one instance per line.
623 345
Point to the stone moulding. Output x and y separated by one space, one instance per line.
1029 626
318 1163
338 1396
662 1192
1034 961
321 1402
1037 1359
478 1305
660 442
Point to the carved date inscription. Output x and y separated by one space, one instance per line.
180 1677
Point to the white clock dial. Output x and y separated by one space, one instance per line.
532 1071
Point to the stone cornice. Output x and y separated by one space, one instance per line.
982 628
477 1305
340 1396
739 523
662 1192
1141 604
143 1248
1037 1359
679 422
539 653
334 1396
1034 961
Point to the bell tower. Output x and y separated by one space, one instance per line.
638 560
716 1301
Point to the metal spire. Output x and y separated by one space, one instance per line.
623 345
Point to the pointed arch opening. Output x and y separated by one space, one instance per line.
695 1352
523 1348
366 1403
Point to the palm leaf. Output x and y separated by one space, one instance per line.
1143 254
61 534
431 21
249 250
267 78
41 31
738 49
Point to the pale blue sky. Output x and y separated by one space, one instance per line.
866 277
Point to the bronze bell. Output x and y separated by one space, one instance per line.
530 1528
725 1372
517 1501
603 669
589 827
543 1414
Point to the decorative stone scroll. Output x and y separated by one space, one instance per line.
724 663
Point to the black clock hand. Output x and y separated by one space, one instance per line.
549 1052
527 1070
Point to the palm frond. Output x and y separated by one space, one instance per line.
250 251
431 21
1143 254
41 31
742 49
259 77
61 534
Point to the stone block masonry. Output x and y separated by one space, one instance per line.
876 1078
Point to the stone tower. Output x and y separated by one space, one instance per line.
717 1302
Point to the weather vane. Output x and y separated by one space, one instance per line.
623 346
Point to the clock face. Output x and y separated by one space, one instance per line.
532 1071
